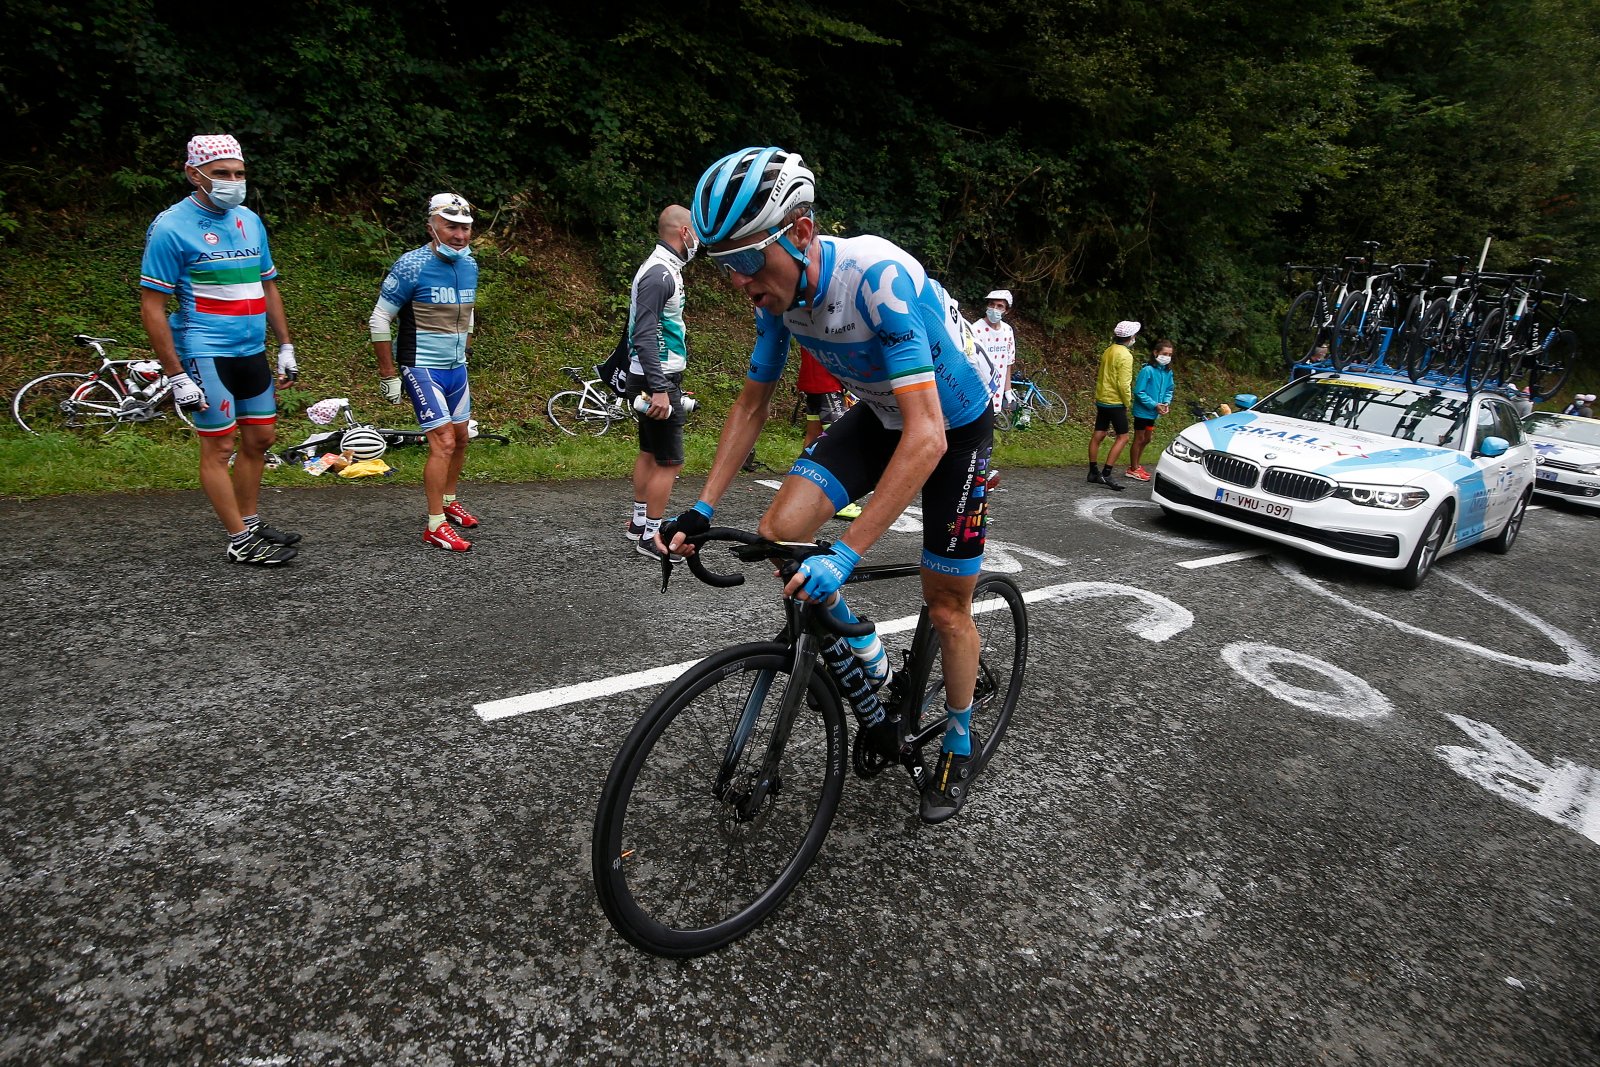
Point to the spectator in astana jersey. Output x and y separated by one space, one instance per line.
210 253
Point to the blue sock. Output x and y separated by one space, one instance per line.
958 730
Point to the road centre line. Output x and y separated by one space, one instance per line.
544 699
1226 557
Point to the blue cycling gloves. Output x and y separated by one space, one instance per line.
825 573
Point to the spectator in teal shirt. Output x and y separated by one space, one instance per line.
1152 397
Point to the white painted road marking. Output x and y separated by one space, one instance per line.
1226 557
1566 793
1163 619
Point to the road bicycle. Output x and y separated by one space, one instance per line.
116 392
1031 401
1310 322
588 408
327 412
723 792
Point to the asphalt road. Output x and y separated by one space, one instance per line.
1251 810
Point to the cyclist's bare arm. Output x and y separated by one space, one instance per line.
385 353
275 316
153 313
739 433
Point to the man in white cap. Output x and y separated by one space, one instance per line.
994 334
431 291
211 253
1113 399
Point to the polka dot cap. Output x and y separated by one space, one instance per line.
210 146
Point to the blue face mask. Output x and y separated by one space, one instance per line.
994 315
445 250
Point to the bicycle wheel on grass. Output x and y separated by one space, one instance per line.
573 413
1002 620
1052 407
681 866
66 401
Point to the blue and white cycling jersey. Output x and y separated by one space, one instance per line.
884 328
432 298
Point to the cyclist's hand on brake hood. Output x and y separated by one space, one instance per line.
186 392
821 576
692 523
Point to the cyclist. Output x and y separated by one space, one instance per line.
211 252
431 291
659 353
873 317
998 340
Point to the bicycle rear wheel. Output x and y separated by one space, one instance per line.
573 414
1300 328
681 866
1002 620
1481 352
1052 407
1550 367
1346 346
67 402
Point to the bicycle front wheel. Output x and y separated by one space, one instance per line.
1347 331
66 402
573 414
1052 407
1300 328
689 852
1001 617
1551 366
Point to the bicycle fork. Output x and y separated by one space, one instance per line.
749 801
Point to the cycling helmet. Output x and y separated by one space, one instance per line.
750 191
363 442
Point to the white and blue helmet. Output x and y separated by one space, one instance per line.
750 191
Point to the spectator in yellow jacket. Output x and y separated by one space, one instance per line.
1113 399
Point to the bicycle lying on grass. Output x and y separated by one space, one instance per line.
118 391
1031 401
586 408
722 794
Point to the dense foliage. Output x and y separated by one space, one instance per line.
1103 158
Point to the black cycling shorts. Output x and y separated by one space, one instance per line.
826 408
1142 423
1112 417
662 438
847 461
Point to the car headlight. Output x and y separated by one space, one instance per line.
1186 450
1395 498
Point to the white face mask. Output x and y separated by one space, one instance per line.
690 247
993 315
226 194
1163 360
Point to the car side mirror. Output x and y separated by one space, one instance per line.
1244 401
1493 446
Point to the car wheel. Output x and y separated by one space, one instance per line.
1508 534
1427 550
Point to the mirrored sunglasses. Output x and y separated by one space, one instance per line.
748 260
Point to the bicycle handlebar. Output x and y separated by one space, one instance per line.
751 548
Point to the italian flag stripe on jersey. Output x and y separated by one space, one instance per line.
240 306
240 275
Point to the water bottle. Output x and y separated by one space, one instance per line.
641 404
874 659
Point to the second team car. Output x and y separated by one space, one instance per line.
1365 468
1567 451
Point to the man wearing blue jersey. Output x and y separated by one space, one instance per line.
423 322
873 318
210 253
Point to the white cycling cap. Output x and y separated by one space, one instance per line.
1126 328
1589 397
452 206
1001 294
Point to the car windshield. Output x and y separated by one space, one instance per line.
1554 427
1393 409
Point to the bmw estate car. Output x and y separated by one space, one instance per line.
1365 468
1567 451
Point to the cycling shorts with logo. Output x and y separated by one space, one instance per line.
662 438
439 394
847 461
826 408
238 389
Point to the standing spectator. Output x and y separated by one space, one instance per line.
211 252
1113 396
824 396
659 352
997 339
1152 398
1581 405
432 290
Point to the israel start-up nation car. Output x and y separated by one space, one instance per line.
1365 468
1567 450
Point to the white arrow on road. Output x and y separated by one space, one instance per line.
1566 793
